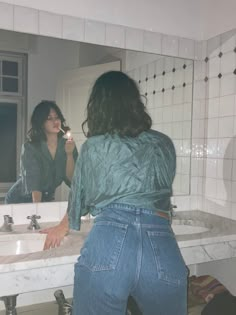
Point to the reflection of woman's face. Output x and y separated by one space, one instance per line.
53 123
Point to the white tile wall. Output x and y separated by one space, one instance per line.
95 32
50 24
73 28
186 48
49 212
170 46
220 158
26 20
6 16
134 39
115 36
200 50
152 42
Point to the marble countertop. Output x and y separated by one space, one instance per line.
54 268
220 229
68 251
195 248
219 242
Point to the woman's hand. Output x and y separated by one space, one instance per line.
69 146
56 234
70 163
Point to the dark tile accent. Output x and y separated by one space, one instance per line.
173 70
154 92
219 75
206 59
139 81
163 90
234 71
235 49
184 66
154 77
146 94
146 79
163 73
220 55
184 84
206 79
173 87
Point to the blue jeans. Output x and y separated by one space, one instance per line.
130 251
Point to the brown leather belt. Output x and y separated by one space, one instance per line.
163 214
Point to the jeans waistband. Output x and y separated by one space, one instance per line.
138 210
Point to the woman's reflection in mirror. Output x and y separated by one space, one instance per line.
47 158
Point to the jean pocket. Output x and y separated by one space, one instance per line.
170 265
103 246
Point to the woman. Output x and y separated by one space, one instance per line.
124 178
47 159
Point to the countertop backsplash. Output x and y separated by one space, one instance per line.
49 211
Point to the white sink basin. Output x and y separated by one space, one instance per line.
16 244
183 229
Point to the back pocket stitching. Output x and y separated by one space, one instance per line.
160 271
115 255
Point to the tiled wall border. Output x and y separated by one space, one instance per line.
37 22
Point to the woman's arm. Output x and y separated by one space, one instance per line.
70 162
36 196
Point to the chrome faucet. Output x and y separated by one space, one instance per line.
33 222
7 225
64 308
10 304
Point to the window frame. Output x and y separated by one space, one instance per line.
20 99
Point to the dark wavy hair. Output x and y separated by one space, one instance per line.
39 117
115 107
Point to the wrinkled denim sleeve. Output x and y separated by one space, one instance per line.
30 169
76 203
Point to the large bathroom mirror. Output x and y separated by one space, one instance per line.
35 68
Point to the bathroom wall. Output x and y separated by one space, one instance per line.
219 126
213 168
213 165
